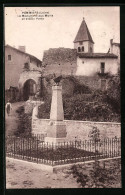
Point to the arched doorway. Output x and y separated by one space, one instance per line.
29 89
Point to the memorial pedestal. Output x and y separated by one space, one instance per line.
56 131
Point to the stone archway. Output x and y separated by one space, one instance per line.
29 81
29 89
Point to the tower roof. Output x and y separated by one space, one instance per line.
83 33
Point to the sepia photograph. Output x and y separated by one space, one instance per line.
62 97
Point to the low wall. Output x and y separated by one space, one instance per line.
79 129
30 104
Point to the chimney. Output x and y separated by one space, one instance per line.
22 48
111 45
111 41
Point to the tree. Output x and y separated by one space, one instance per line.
113 92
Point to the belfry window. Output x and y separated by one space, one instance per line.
82 48
79 49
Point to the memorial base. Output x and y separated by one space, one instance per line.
56 132
53 140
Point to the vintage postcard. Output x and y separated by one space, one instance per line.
62 97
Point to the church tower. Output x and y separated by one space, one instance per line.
83 41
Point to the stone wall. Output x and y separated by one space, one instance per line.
79 129
68 86
60 61
91 81
26 75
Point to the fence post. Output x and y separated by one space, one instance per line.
14 147
95 149
37 148
75 148
119 145
52 154
47 154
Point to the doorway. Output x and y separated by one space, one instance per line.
29 89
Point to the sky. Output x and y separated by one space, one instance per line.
60 27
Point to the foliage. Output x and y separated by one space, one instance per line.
114 92
76 108
101 177
78 87
13 96
94 134
24 125
88 105
80 177
44 109
83 107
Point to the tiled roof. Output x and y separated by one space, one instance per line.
97 55
23 53
83 33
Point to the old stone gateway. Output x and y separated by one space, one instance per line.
29 89
29 83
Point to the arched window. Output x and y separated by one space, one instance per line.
82 48
79 49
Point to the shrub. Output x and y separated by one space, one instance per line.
76 108
113 93
98 177
92 106
44 109
24 124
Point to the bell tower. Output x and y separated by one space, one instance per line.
83 41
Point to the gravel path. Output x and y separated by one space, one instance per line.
21 175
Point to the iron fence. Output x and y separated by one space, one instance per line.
34 149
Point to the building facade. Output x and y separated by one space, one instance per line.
21 69
81 60
24 71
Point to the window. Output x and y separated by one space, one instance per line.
80 43
79 49
102 67
82 48
26 66
103 84
9 57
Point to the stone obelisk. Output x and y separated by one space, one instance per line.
56 131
